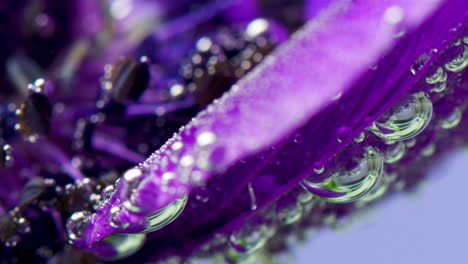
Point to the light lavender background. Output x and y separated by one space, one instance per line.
426 227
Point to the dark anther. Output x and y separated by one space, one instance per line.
7 227
208 74
34 115
32 190
126 79
83 135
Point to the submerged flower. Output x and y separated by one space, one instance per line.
267 118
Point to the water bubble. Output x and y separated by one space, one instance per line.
133 178
206 138
250 237
407 121
107 193
342 133
410 143
347 185
114 221
305 197
439 87
12 241
288 211
459 63
428 150
439 76
166 215
203 195
319 168
452 120
298 138
23 226
419 63
379 190
124 245
360 137
76 223
394 152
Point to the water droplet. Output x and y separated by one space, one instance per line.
23 226
400 33
407 121
394 152
393 15
410 143
347 185
439 76
76 223
124 245
428 150
206 138
342 133
257 27
12 241
289 211
133 178
298 138
305 197
203 195
166 215
319 168
114 221
6 159
452 120
459 63
107 193
250 237
360 137
337 96
439 87
419 63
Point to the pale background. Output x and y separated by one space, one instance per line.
427 227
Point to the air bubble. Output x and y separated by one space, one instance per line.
288 211
439 87
360 137
166 215
452 120
133 178
298 138
319 168
23 226
12 241
76 223
407 121
124 245
439 76
459 63
250 237
428 150
347 185
410 143
342 133
394 152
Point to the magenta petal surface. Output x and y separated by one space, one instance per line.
290 90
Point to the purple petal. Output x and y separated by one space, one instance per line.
292 87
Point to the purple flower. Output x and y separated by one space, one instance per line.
357 102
